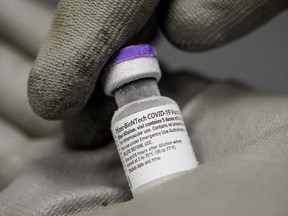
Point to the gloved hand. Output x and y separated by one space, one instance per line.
86 33
239 136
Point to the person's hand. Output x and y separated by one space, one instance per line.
239 136
86 33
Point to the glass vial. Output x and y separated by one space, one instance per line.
148 128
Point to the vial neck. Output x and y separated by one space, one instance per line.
137 90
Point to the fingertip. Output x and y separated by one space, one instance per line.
185 28
57 97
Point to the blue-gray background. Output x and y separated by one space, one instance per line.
259 59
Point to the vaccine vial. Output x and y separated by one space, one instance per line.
148 128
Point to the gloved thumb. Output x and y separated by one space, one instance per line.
83 36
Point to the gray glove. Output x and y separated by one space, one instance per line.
85 33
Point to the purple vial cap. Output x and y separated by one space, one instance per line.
132 52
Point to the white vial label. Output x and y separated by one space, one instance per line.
153 143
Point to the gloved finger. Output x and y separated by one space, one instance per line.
14 106
83 36
25 23
198 25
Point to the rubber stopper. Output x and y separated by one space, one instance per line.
129 64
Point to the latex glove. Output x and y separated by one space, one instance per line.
85 33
